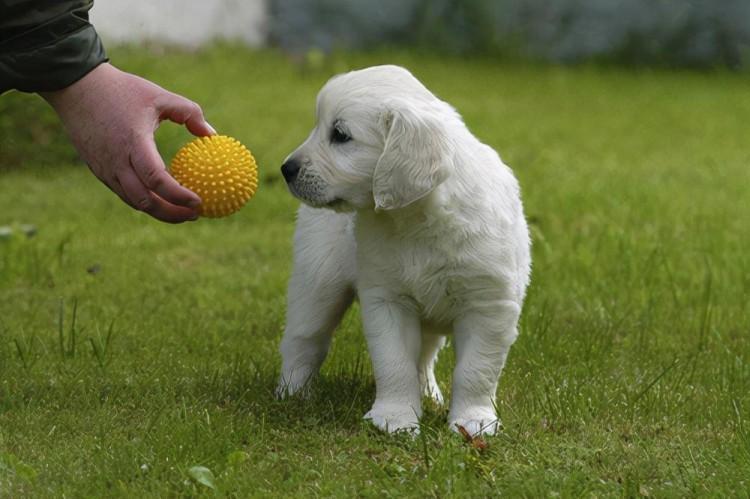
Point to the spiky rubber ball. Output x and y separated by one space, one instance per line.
220 170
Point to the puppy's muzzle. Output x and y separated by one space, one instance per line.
290 169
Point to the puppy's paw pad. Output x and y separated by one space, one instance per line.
393 418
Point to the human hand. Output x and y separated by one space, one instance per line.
111 117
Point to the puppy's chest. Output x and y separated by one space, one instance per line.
439 274
435 281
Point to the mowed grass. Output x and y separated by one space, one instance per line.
139 359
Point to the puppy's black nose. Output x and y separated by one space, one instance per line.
290 169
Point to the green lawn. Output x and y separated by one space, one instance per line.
133 352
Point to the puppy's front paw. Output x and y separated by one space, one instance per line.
394 417
476 421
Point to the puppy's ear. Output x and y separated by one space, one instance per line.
417 156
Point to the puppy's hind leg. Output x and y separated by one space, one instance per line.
313 315
320 291
431 345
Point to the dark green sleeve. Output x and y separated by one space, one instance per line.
46 45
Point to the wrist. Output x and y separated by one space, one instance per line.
66 97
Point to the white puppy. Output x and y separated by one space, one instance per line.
407 209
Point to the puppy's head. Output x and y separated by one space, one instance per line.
380 141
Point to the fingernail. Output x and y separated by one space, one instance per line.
213 130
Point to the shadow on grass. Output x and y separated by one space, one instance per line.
334 402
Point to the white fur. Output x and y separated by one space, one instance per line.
426 224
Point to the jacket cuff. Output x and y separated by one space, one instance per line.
53 66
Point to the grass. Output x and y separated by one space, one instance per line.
139 359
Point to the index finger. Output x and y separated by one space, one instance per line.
178 109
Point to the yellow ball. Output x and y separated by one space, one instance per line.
220 170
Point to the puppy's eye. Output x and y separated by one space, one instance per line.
338 135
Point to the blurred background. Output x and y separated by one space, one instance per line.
674 33
324 37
